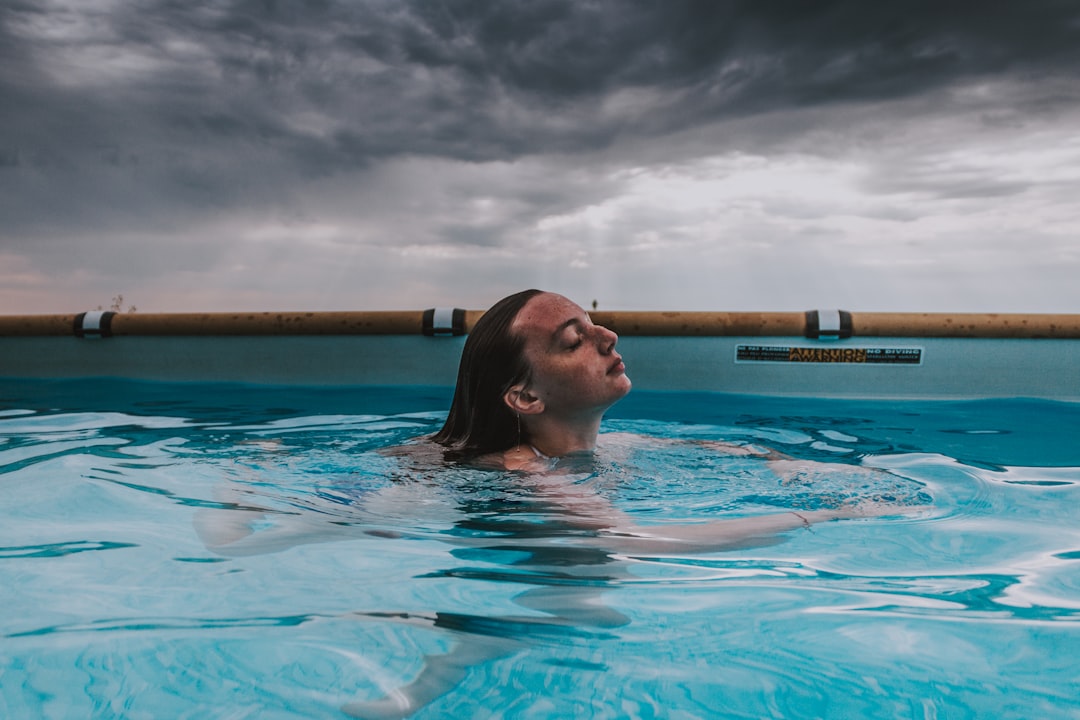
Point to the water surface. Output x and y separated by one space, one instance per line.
230 551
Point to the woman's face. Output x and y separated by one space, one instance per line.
575 368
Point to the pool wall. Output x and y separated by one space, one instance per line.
825 353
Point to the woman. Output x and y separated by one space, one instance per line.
535 379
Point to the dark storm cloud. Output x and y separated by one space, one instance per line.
759 52
121 113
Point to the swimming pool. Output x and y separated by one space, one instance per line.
128 597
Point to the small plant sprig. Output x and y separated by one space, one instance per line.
118 305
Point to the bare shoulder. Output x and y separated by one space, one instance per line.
423 454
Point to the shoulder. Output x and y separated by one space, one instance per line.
423 453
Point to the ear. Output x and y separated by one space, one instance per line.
522 401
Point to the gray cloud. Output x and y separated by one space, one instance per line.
158 133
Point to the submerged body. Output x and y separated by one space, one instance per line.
563 520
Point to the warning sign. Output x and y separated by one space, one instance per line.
860 355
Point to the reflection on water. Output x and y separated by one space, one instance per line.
222 554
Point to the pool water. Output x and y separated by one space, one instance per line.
192 551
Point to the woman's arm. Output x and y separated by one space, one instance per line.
579 505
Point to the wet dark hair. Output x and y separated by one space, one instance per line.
492 361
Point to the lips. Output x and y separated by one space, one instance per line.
617 366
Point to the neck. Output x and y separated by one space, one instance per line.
558 438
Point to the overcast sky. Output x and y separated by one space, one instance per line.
338 155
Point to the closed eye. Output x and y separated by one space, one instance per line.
569 336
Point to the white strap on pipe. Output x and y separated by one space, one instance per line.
92 324
828 322
443 320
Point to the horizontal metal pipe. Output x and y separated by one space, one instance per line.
36 325
270 323
648 323
981 325
781 324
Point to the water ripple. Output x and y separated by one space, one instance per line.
986 596
54 550
155 624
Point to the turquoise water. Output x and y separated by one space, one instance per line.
190 551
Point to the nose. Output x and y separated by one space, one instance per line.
605 339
